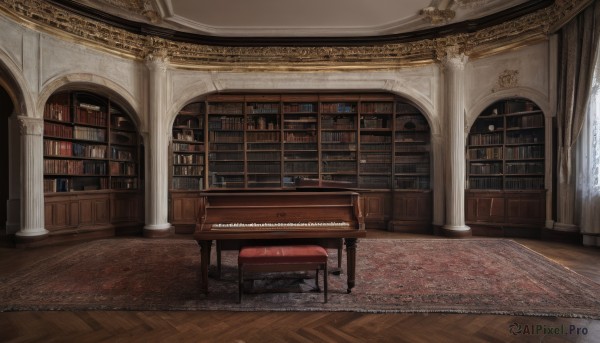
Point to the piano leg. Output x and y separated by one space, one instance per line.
351 261
204 263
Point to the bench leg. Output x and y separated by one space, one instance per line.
325 282
240 284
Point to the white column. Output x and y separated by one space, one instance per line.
157 150
454 65
32 176
437 146
13 204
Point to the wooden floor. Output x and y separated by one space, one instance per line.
221 326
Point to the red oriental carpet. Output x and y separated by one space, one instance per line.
480 276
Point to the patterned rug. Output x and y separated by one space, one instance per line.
487 276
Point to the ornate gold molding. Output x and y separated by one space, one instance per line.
525 30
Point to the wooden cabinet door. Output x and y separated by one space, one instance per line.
485 207
413 206
526 208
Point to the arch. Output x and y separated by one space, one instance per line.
202 88
193 92
97 84
527 93
14 83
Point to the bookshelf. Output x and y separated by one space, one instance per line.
91 152
188 148
281 141
412 198
506 166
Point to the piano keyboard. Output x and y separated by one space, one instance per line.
283 226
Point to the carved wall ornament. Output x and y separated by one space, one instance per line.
45 16
437 16
508 79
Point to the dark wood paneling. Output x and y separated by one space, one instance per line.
412 211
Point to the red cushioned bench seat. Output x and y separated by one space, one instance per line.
282 258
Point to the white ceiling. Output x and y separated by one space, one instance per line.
301 18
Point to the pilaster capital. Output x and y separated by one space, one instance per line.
453 58
31 126
156 54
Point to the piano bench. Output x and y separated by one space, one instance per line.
282 258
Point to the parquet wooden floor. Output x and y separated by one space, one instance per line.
221 326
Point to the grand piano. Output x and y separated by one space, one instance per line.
239 218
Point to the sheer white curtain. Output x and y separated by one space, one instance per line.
588 167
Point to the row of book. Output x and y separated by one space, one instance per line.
262 108
188 147
262 123
375 147
420 148
374 168
89 133
524 183
75 184
90 117
525 168
263 146
521 122
225 108
188 159
374 123
122 168
226 123
264 156
57 130
267 137
492 153
510 168
368 138
485 139
58 112
521 138
338 155
299 107
188 170
190 122
366 157
485 168
124 183
337 123
337 136
301 167
67 149
121 154
411 182
300 137
264 167
226 156
189 183
226 137
416 168
524 152
342 107
377 107
188 135
300 126
74 167
485 183
339 166
227 167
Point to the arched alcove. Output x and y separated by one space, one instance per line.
505 155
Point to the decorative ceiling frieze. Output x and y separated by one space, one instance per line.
523 30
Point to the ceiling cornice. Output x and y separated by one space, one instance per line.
138 40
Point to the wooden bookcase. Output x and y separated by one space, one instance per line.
506 168
276 141
91 165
